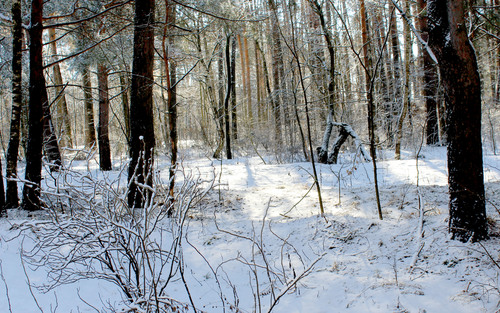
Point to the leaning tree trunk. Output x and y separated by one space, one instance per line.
462 87
102 128
142 136
12 199
37 94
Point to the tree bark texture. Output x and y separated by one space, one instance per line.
89 108
12 198
462 88
31 190
142 136
103 126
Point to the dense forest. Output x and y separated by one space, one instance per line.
128 84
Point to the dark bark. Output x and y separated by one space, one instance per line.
103 127
171 72
37 94
12 198
234 120
89 108
341 138
142 136
462 88
227 121
277 69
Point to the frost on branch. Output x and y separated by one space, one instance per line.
90 233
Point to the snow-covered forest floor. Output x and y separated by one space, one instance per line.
258 236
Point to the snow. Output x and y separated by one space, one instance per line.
266 215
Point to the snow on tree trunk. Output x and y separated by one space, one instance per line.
462 87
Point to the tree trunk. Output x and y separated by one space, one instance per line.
234 120
103 127
31 190
369 98
62 117
142 136
171 72
89 108
323 152
430 81
462 88
227 121
277 68
12 199
124 87
396 72
406 87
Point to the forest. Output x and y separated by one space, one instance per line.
249 156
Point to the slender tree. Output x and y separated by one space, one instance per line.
102 128
62 117
449 41
12 198
142 136
37 94
430 80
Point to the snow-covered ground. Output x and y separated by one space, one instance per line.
259 230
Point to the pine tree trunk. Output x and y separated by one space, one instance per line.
277 64
89 108
12 198
31 190
406 87
103 128
142 136
171 72
430 81
227 121
124 86
60 105
462 88
234 120
396 73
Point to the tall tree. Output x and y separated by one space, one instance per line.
62 117
142 136
12 198
171 73
430 80
37 94
102 128
449 40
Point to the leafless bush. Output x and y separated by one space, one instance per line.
89 232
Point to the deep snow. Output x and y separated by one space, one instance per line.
363 264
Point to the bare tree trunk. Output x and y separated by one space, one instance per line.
62 117
277 68
142 136
124 87
430 81
171 72
369 95
12 199
462 87
396 72
406 87
102 129
31 190
227 121
89 108
234 121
